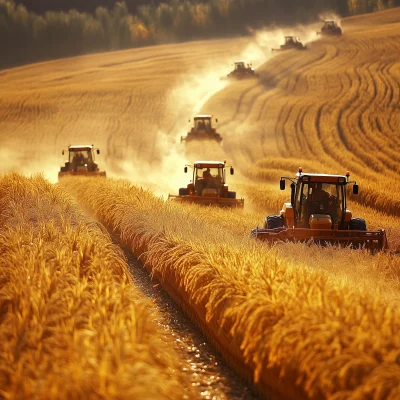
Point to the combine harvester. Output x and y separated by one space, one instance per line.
241 71
318 212
291 42
202 130
330 28
81 162
208 186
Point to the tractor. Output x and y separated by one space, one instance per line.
81 161
202 130
330 28
208 186
318 212
291 42
241 71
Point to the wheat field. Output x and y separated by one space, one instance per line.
294 327
297 320
72 325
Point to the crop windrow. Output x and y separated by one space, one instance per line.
71 323
295 331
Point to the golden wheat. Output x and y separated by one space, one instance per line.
296 329
307 321
72 326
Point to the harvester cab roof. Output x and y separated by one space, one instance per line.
330 22
202 116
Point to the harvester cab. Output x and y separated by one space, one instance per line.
330 27
81 161
208 185
239 65
318 211
202 130
242 70
319 201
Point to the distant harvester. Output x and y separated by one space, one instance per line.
202 130
81 162
330 28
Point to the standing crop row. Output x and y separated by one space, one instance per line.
72 325
295 331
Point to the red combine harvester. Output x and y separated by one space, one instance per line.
318 212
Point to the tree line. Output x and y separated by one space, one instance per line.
26 36
41 6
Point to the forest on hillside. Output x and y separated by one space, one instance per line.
28 36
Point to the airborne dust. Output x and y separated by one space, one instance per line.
164 172
190 98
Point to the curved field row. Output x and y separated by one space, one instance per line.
257 309
330 109
72 325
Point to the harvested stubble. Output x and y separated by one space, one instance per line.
297 331
71 324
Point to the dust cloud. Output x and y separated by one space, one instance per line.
272 39
165 174
47 165
330 16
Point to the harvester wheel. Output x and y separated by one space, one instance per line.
231 195
183 192
358 224
273 222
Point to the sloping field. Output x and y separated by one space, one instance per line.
330 109
131 104
302 321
